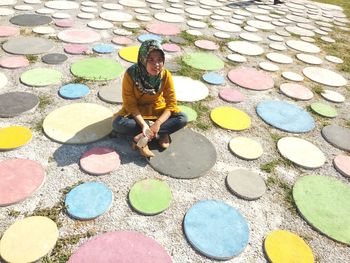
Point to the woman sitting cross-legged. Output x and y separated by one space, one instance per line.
149 108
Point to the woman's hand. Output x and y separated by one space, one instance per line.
155 127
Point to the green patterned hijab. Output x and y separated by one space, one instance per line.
145 82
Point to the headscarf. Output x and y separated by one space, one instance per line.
145 82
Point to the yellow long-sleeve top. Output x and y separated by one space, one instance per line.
149 106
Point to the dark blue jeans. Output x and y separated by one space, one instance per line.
130 127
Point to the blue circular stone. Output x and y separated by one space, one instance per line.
73 91
103 48
145 37
216 229
88 200
213 78
285 116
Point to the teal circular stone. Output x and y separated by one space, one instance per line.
324 110
324 203
40 77
203 61
190 113
97 69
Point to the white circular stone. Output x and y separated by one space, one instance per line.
88 3
132 3
45 11
277 46
306 26
236 58
62 5
334 59
309 59
328 39
34 2
236 21
300 31
245 48
242 12
301 152
144 18
197 11
157 7
170 18
217 17
43 30
283 33
264 18
213 3
6 11
23 7
308 39
116 16
86 16
279 58
250 37
198 90
268 66
257 10
303 46
61 15
289 75
196 24
131 25
222 35
122 32
261 25
226 27
333 96
89 9
195 17
173 10
246 148
324 76
275 38
100 24
250 29
112 6
3 80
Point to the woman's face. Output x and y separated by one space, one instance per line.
155 63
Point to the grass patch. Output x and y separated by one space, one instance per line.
347 124
275 137
203 121
188 71
78 80
13 213
190 39
317 89
38 126
32 58
269 167
44 101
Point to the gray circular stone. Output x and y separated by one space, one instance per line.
173 67
16 103
111 94
338 136
28 45
177 40
246 184
30 20
189 155
54 58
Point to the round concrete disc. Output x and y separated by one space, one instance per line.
6 11
324 203
62 5
144 37
301 152
30 20
43 30
334 59
116 16
289 75
226 27
230 118
8 31
122 246
99 161
12 62
285 246
84 15
3 80
324 110
16 103
20 178
64 23
28 45
133 3
299 31
170 18
285 116
250 37
122 40
74 91
189 90
246 184
76 49
333 96
268 66
196 10
236 58
296 91
190 113
325 76
28 239
129 53
40 77
206 44
342 163
100 24
213 78
204 61
278 46
78 123
111 94
338 136
250 78
103 48
97 69
231 95
245 48
79 36
261 25
163 29
216 229
279 58
190 155
303 46
150 196
54 58
13 137
88 200
246 148
170 47
309 59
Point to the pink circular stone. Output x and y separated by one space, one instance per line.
163 29
14 62
121 246
7 31
342 164
19 179
206 44
65 23
296 91
250 78
79 36
231 95
169 47
121 40
75 49
99 161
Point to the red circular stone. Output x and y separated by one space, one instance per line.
121 40
7 31
14 62
231 95
296 91
206 44
163 29
19 179
75 49
342 164
99 161
122 246
169 47
65 23
250 78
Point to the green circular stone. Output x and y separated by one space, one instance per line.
324 203
150 196
97 69
41 77
190 113
324 110
204 61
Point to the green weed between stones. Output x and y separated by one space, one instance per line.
78 80
44 101
317 89
13 213
38 126
203 121
275 137
32 58
188 37
347 123
269 167
188 71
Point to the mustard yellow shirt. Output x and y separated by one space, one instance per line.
149 106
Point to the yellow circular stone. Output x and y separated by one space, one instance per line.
230 118
14 136
129 53
282 246
29 239
246 148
